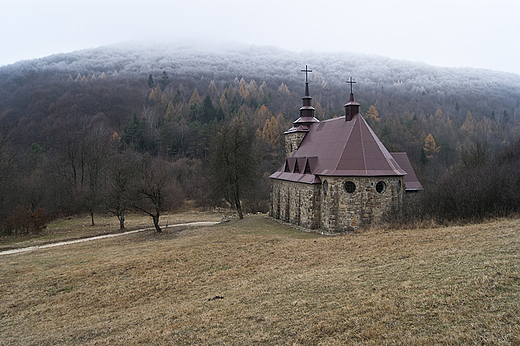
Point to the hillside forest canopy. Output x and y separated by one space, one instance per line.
99 130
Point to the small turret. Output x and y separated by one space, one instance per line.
352 107
307 110
294 136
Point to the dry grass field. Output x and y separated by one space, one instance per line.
81 227
254 281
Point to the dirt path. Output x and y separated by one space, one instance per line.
31 248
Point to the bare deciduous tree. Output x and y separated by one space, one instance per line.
97 150
121 176
232 164
156 190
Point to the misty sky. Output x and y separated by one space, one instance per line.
474 33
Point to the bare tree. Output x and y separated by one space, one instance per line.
68 155
7 170
156 190
121 177
232 164
96 150
477 155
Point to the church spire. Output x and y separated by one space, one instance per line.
352 107
307 110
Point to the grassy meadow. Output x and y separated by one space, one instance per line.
255 281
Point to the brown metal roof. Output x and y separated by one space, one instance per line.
299 128
343 148
410 180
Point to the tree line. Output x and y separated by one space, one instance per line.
484 185
67 137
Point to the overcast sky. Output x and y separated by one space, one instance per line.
474 33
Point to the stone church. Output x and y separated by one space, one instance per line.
337 175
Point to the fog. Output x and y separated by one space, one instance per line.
477 33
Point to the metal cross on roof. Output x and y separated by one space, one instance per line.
350 81
306 73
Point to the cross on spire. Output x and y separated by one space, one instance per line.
350 81
306 73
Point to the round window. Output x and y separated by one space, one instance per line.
325 186
381 187
350 187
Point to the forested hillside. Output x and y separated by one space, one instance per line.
73 124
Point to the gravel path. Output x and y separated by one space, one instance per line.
31 248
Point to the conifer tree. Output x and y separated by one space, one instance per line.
244 92
213 89
319 110
195 98
170 111
271 132
430 147
165 80
282 89
156 94
506 116
469 124
373 114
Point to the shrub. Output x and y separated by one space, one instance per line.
39 220
474 192
23 220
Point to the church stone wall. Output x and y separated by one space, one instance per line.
296 203
344 211
330 207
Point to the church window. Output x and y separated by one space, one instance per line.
399 186
350 187
381 187
325 186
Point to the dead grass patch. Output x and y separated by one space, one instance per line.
254 281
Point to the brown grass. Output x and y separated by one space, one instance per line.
81 227
254 281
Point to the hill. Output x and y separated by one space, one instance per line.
395 88
169 101
254 281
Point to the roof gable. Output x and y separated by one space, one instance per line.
347 148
